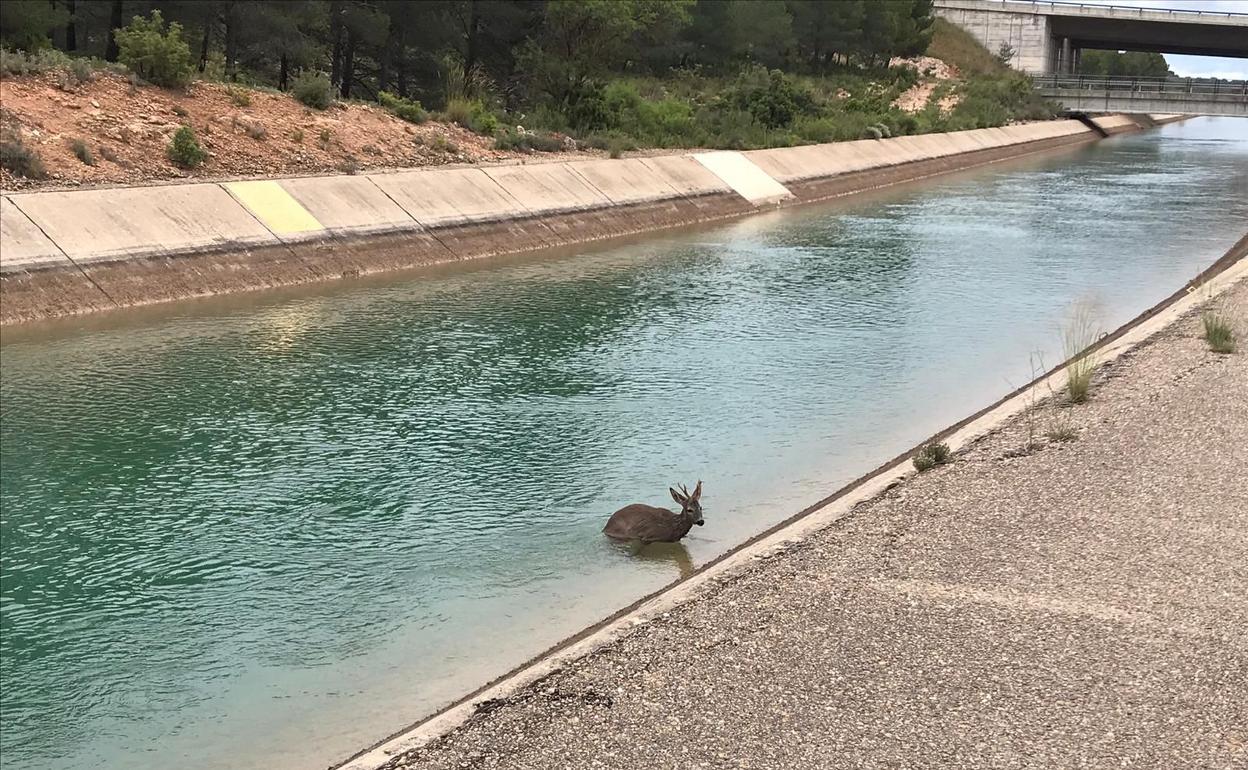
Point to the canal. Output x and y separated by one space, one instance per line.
267 531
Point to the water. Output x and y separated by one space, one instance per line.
267 531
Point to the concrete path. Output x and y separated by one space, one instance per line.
1084 605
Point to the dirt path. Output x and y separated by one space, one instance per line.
1082 605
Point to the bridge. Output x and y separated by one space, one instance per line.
1192 96
1047 37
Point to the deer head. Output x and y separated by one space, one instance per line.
690 504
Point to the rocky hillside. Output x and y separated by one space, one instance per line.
107 130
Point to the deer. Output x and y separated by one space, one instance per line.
647 524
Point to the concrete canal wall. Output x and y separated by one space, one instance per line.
63 253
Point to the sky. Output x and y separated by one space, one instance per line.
1195 66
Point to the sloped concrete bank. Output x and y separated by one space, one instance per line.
64 253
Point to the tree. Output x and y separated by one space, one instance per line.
1129 64
154 53
826 31
585 39
27 24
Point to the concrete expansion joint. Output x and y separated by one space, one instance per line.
68 258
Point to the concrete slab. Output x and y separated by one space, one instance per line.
548 188
273 206
24 246
349 204
685 175
449 196
785 164
624 180
748 180
844 156
143 221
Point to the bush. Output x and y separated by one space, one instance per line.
154 54
773 98
406 109
82 151
473 115
81 70
442 144
238 96
184 149
459 111
932 455
255 130
527 142
17 158
313 89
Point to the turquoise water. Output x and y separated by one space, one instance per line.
267 531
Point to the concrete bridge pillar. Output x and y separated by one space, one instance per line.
1063 60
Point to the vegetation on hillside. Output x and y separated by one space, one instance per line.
615 73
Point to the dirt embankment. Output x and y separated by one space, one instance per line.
126 130
933 72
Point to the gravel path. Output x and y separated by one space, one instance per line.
1084 605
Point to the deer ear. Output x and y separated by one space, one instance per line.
676 496
697 492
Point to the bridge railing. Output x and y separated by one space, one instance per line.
1058 5
1125 86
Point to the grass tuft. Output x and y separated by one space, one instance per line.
82 151
1079 331
1218 332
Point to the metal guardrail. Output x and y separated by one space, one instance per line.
1120 86
1058 4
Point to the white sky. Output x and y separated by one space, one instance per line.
1196 66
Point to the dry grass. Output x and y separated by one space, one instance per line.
954 45
1080 330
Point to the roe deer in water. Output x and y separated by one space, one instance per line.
648 524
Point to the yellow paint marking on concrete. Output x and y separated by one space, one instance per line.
274 207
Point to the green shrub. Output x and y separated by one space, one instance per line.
459 110
442 144
666 122
773 98
238 96
154 54
406 109
1217 331
17 158
527 142
81 70
296 136
82 151
313 89
15 62
184 149
932 455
